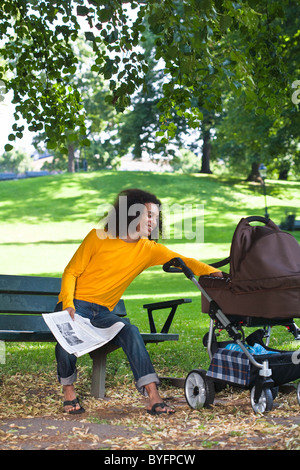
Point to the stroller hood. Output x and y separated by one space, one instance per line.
263 258
264 277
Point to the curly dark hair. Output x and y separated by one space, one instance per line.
133 196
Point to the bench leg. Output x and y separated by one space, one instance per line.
99 373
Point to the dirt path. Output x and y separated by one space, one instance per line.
55 434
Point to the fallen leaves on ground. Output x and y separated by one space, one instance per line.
229 424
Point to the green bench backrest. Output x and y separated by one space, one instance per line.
22 301
34 295
28 294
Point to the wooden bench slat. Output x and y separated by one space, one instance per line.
27 303
24 328
27 337
30 284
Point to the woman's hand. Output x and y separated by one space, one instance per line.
71 312
217 274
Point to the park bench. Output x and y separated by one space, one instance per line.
23 299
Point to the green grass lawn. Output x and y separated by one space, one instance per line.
43 220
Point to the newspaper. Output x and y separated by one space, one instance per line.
79 336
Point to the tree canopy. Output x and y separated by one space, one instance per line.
200 43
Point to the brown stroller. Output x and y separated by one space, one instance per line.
261 290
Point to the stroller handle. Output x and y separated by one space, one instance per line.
219 264
258 218
176 265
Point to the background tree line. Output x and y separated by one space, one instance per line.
209 77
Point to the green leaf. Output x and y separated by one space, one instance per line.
86 142
89 36
225 22
72 137
51 145
82 10
105 14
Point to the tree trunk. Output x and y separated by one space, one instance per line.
71 159
254 175
206 151
284 169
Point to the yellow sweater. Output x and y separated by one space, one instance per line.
102 269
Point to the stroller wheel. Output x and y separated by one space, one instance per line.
265 402
298 393
199 390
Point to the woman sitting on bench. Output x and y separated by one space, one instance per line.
104 265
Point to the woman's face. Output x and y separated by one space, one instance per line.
148 220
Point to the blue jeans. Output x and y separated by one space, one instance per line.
129 339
